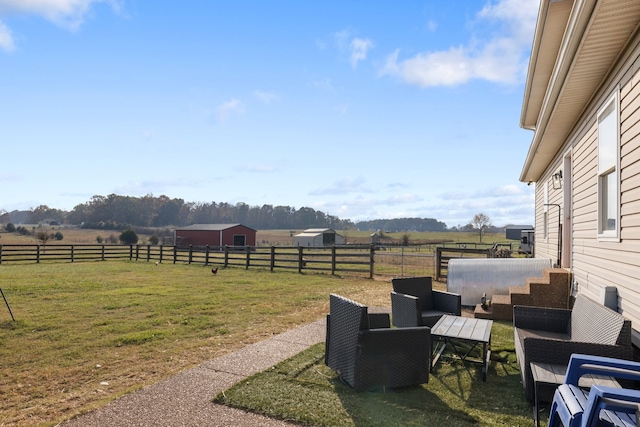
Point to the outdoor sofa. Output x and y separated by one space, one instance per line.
415 303
552 335
366 353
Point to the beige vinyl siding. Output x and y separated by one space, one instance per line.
598 263
630 161
584 181
547 248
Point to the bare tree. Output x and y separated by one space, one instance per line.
480 224
43 236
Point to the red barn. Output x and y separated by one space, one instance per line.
215 235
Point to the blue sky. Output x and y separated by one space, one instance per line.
361 109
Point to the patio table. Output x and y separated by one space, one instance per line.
451 329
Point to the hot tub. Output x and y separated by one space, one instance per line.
473 277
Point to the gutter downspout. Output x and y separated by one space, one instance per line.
559 256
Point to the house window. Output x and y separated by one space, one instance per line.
608 170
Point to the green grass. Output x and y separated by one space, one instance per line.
86 333
81 325
304 390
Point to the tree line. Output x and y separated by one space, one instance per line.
116 212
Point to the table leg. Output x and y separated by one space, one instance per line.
536 407
486 356
438 352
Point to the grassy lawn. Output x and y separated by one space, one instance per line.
303 389
86 333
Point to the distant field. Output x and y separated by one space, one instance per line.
263 238
285 237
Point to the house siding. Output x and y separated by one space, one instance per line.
547 248
595 263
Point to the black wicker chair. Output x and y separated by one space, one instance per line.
368 354
552 335
415 303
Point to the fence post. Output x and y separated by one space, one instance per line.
372 256
248 257
148 253
161 246
273 256
175 253
206 256
137 252
300 259
226 256
0 254
333 260
102 253
190 252
38 254
72 253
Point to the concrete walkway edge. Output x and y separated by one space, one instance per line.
185 398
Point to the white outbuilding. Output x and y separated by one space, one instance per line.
318 237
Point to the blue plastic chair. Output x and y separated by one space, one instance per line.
611 406
576 407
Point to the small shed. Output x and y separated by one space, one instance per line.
318 237
215 235
514 232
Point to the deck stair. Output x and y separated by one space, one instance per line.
550 290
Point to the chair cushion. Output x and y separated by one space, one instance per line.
430 317
528 333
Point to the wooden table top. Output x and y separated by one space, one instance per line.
466 328
554 374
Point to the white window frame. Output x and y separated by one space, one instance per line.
545 211
608 165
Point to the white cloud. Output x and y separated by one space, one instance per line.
226 109
341 39
266 97
65 13
344 186
359 49
6 39
324 84
356 47
502 58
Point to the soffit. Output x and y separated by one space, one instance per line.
610 25
550 29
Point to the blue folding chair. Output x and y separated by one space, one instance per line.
576 407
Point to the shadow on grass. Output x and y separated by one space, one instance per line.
304 390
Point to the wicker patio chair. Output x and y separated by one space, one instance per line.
552 335
367 353
415 303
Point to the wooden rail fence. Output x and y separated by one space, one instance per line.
351 258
